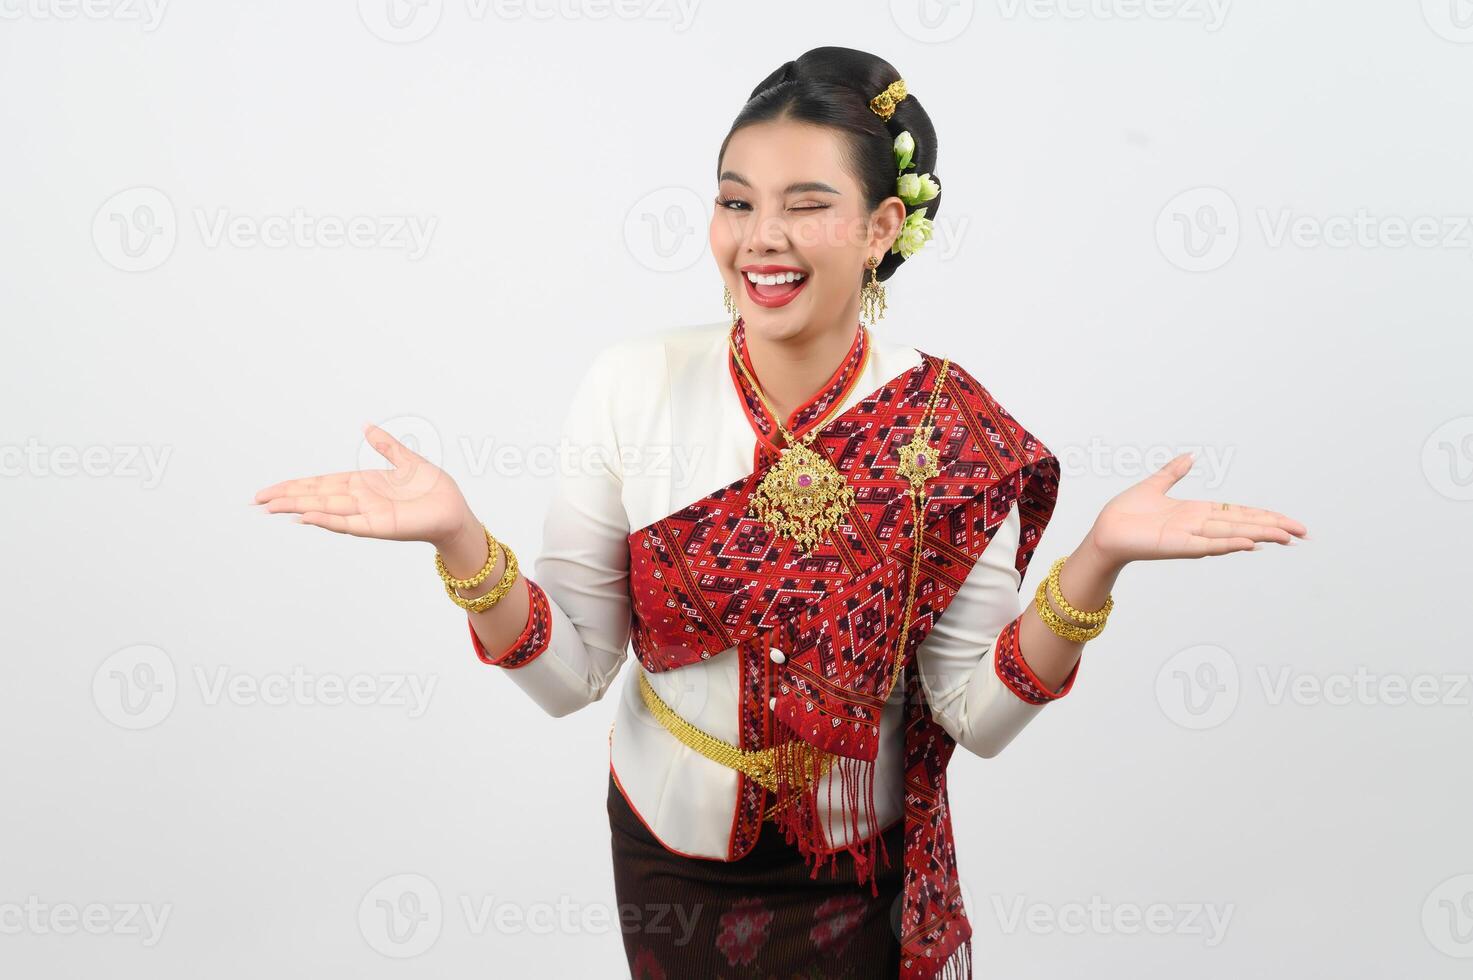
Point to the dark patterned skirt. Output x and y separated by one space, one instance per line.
759 918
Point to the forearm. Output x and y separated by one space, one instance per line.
1086 581
464 554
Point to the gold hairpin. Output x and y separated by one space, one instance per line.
884 103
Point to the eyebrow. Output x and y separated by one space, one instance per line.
794 188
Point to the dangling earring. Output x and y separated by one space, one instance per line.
872 296
731 306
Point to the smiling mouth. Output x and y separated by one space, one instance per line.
775 285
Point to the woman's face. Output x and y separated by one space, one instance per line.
786 204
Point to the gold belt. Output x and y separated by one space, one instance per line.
756 764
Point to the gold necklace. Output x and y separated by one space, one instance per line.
802 496
918 463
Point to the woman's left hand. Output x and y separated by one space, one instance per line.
1143 524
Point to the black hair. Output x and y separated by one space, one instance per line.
832 86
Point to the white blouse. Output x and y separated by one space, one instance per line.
657 424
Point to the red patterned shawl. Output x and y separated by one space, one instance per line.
708 577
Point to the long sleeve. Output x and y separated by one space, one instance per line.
577 630
979 687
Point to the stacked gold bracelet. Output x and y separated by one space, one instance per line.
1088 625
484 602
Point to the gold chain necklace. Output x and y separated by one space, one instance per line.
802 496
918 463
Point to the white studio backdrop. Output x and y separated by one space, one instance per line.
230 233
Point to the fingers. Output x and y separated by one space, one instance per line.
327 483
1170 474
1216 527
1206 546
335 483
1167 476
1257 515
388 447
337 504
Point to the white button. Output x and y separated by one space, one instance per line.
772 704
777 656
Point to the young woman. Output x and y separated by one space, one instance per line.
823 595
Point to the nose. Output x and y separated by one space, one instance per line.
765 234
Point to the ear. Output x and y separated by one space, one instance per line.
885 224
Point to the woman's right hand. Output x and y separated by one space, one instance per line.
414 501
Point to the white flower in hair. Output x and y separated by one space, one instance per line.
905 147
914 233
916 189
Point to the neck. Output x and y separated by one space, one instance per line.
791 370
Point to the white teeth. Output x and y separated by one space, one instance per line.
775 278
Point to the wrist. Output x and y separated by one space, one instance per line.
465 545
1100 563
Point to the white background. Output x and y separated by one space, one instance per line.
1111 260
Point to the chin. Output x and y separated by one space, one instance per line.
779 324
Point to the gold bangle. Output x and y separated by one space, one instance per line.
484 602
1081 617
1069 631
493 551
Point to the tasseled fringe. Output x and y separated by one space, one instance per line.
958 966
797 769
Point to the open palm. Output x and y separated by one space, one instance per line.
1142 523
414 501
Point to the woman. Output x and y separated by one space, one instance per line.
810 651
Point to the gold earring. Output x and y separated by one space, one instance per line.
872 296
731 306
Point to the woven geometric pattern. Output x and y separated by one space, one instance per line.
708 577
1015 673
534 638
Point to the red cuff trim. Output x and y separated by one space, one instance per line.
1018 676
534 637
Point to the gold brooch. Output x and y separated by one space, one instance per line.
802 496
918 461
